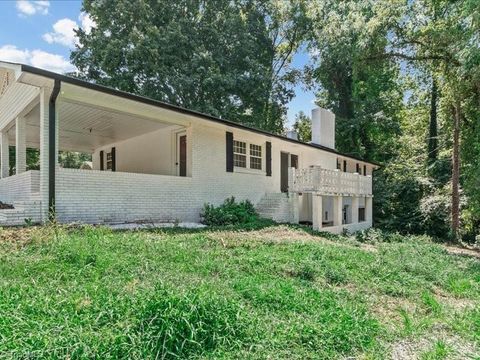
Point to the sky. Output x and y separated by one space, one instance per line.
40 33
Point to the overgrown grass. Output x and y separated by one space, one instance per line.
258 292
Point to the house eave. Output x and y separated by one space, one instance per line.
145 100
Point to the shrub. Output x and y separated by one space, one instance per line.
375 236
229 213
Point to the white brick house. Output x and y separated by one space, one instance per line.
157 162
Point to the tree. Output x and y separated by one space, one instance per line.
364 95
225 58
303 127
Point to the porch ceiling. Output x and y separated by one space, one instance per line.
86 128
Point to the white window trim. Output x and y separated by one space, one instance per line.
247 169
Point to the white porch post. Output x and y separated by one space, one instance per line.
369 209
4 157
317 211
20 146
355 203
337 210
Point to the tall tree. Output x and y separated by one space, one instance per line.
226 58
433 125
303 126
364 95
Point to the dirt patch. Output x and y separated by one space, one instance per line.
17 238
387 309
463 251
413 349
455 303
276 235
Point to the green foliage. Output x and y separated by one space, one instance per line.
375 236
440 351
303 126
173 325
229 213
226 58
223 294
431 303
73 160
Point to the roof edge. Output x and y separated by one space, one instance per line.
150 101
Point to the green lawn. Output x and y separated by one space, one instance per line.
278 292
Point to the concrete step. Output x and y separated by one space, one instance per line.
22 210
276 206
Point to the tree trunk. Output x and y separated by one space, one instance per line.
433 132
456 170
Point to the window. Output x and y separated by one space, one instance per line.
109 161
364 169
246 155
345 165
361 214
255 157
339 165
240 154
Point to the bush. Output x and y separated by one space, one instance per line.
375 236
229 213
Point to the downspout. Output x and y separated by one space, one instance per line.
52 148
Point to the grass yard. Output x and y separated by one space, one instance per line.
275 292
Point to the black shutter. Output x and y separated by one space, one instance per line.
114 160
229 151
358 168
345 165
294 161
268 157
364 169
102 166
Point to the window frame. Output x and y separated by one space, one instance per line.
237 153
249 155
108 161
255 156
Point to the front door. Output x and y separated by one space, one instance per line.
284 171
181 160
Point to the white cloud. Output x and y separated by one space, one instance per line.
63 30
86 22
13 54
37 58
52 62
63 33
28 8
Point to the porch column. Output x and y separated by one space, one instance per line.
4 157
294 208
317 211
355 203
369 209
20 146
337 210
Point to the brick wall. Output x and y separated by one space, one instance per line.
19 187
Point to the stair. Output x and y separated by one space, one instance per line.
279 207
26 209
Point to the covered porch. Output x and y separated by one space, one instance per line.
136 153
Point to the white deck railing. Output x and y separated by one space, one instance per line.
315 179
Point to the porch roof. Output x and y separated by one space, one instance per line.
178 109
85 128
